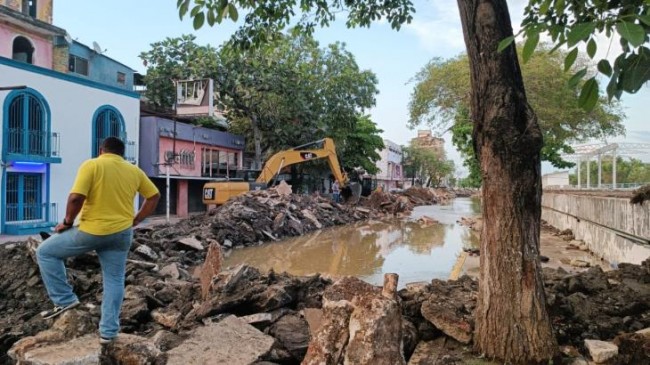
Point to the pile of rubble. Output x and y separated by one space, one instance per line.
171 314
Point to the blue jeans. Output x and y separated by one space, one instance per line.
112 251
336 197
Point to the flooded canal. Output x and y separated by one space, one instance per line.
417 252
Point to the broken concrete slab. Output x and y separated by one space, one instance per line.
191 242
427 352
601 351
314 317
167 318
147 252
81 350
170 271
292 332
450 307
211 267
238 344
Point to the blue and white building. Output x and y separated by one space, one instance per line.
54 118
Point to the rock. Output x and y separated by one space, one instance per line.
427 352
410 338
71 324
570 351
81 350
211 267
633 348
601 351
134 310
360 326
146 252
283 188
579 361
238 344
130 349
293 334
309 215
171 271
168 318
450 307
191 242
543 258
645 332
227 243
579 263
260 320
314 317
165 340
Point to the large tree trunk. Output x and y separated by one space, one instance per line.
512 323
257 140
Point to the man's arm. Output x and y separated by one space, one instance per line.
147 208
72 209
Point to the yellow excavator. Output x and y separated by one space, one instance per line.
218 192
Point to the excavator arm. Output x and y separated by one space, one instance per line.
312 151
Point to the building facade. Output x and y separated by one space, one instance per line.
426 139
192 154
391 174
52 118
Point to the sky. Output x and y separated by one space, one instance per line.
124 28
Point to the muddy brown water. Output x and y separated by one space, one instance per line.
417 252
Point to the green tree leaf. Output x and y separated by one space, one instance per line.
645 19
198 20
505 43
589 94
232 11
605 68
580 32
545 6
183 7
591 48
631 32
530 45
570 59
575 79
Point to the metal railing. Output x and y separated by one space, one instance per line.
33 143
31 213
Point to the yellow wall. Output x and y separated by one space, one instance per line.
43 8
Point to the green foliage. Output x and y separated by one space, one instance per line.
574 22
280 94
442 90
174 59
425 165
632 171
266 20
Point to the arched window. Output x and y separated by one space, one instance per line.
107 122
27 124
22 50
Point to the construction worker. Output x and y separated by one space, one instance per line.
336 191
104 192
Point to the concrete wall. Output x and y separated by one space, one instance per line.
102 68
42 55
612 228
72 103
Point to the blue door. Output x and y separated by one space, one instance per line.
24 197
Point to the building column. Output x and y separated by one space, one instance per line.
600 170
614 169
182 208
579 163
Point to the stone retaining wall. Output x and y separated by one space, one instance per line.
612 228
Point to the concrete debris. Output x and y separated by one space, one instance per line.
641 195
191 242
601 351
579 263
230 341
360 326
450 307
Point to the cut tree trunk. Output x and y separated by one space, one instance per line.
512 323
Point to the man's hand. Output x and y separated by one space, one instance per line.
61 227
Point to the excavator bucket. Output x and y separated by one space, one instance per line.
352 192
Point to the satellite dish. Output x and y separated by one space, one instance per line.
97 48
67 37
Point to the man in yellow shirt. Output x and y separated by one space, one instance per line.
104 192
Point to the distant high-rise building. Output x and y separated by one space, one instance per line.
426 139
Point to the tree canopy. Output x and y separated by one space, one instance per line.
426 166
441 97
576 22
282 94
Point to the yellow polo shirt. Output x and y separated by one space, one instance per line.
110 184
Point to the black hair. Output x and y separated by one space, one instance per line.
113 145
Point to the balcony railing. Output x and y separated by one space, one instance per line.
31 213
33 143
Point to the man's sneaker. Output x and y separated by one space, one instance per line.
57 310
106 340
